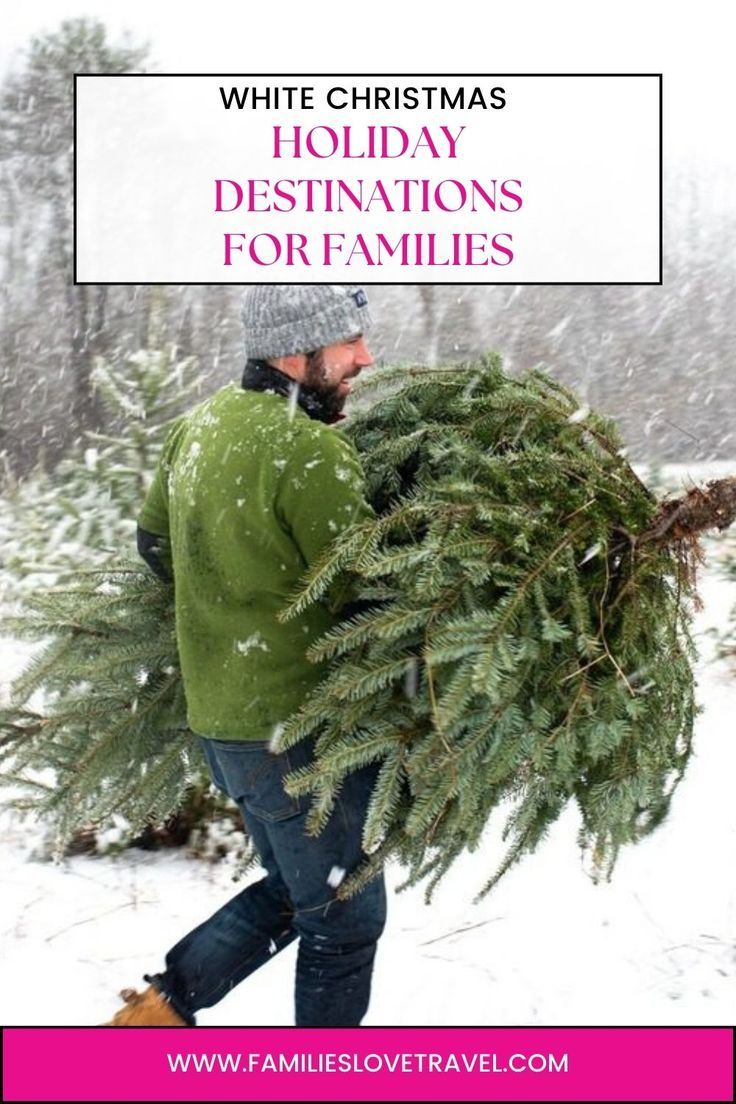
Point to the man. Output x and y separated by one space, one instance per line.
252 485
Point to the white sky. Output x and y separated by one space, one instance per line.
690 44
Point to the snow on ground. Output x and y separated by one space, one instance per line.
656 946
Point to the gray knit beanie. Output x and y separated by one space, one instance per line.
283 319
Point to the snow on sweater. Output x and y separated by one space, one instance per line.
249 490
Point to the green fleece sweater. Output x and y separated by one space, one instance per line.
249 491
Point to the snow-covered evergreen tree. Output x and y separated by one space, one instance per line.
68 523
83 512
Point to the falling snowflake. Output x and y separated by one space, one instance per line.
243 647
293 400
335 876
579 415
590 553
411 679
276 733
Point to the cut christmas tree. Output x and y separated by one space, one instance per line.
524 635
530 640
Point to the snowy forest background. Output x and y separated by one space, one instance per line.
656 946
660 360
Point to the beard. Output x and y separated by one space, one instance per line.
315 383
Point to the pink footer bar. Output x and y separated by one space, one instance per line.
370 1063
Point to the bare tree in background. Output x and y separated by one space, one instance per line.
659 359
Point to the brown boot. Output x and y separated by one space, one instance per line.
147 1009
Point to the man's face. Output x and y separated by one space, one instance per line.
330 370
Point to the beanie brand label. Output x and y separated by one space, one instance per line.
360 297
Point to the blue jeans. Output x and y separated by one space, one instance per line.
337 939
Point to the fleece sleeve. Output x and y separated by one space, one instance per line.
321 494
153 519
